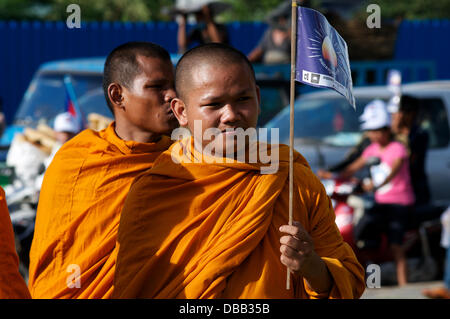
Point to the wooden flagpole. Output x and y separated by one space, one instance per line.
291 121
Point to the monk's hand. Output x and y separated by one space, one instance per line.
297 253
297 248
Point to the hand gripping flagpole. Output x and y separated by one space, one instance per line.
291 121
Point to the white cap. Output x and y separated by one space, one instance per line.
65 122
375 116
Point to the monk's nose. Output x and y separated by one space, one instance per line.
230 114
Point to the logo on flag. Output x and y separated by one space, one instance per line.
322 55
315 78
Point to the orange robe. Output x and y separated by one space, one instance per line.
12 285
78 214
196 230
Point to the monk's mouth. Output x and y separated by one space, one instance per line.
232 131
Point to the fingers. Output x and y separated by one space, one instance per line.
292 263
296 230
295 244
295 247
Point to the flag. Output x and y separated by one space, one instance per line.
71 104
322 56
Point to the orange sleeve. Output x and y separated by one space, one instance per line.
346 271
12 285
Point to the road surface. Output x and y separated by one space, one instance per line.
410 291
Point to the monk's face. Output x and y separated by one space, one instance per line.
224 97
147 100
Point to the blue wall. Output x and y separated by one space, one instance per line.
425 40
25 45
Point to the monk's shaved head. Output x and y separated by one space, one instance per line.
212 53
122 65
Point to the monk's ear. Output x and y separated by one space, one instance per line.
179 109
115 94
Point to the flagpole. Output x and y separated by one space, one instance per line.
291 121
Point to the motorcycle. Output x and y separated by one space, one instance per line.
421 240
22 200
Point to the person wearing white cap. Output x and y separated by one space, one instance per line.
390 182
66 126
375 116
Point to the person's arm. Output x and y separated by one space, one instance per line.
182 40
348 171
351 169
297 253
354 153
211 27
255 55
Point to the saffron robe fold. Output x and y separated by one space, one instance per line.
12 284
78 213
197 230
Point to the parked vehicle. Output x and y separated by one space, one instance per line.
45 96
327 127
22 203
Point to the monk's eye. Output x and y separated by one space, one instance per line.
244 98
213 104
154 86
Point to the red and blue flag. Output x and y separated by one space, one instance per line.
71 105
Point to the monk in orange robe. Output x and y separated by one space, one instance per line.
74 250
201 224
12 285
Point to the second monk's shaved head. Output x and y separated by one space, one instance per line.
211 53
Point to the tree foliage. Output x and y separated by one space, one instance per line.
250 10
414 9
91 10
243 10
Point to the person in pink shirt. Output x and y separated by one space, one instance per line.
390 181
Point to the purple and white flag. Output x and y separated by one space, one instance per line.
322 55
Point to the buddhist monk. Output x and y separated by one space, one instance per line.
73 254
12 284
200 224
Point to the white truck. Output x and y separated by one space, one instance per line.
327 127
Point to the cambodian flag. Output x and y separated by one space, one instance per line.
71 104
322 56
